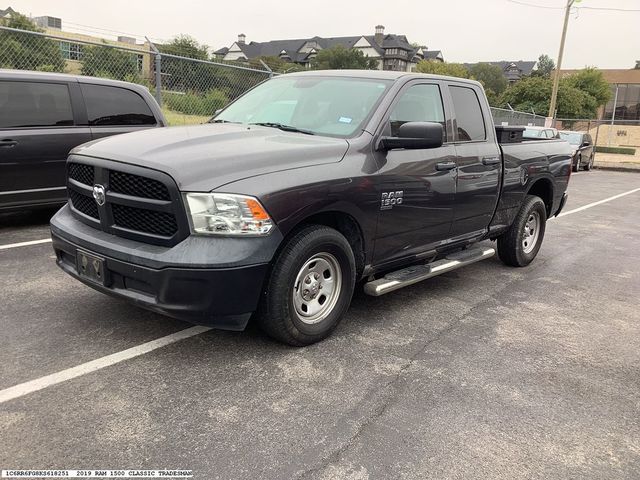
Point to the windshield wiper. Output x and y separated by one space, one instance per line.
219 120
286 128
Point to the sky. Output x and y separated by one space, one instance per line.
465 30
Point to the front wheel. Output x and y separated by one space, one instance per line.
589 164
576 167
309 288
519 245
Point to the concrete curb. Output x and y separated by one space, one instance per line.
619 167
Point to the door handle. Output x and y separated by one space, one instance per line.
444 166
8 143
490 160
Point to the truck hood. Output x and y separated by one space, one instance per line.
204 157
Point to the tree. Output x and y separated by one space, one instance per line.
545 66
579 94
591 81
108 62
23 51
185 46
491 77
442 68
186 75
340 58
534 94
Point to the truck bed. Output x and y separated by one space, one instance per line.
548 159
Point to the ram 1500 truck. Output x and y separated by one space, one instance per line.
304 187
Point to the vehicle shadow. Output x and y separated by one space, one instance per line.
27 218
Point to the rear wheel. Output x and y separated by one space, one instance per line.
519 245
309 288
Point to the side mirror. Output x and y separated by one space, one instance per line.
415 135
586 144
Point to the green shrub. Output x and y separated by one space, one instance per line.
620 150
196 104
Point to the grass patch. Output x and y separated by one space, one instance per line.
620 150
177 118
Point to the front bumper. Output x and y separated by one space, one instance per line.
207 281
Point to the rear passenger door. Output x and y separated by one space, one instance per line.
479 162
113 110
38 128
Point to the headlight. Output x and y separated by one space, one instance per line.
227 214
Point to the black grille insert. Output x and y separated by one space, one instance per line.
84 204
81 173
147 221
137 186
140 204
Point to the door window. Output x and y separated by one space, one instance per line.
115 106
34 104
468 114
419 103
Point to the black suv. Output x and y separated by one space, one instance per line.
583 148
44 115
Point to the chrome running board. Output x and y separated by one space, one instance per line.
416 273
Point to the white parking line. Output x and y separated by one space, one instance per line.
24 244
589 205
26 388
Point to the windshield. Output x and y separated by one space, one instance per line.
331 106
572 138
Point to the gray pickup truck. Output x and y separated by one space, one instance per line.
304 187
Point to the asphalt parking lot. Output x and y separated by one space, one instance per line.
485 372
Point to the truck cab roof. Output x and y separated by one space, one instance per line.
380 75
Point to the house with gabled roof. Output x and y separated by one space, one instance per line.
392 52
513 70
6 14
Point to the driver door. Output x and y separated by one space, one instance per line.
416 187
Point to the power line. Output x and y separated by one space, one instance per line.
609 9
536 6
98 30
548 7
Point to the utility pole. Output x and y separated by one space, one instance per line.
556 77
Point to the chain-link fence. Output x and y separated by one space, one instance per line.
506 117
620 138
189 90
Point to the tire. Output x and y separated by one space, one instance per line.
576 167
318 257
513 248
589 164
